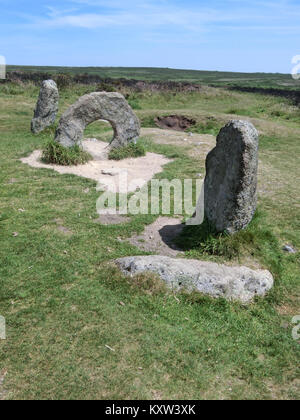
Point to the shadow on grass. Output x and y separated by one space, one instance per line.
257 241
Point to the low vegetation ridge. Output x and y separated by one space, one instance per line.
263 80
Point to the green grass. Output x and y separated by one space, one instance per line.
257 240
55 153
61 296
133 150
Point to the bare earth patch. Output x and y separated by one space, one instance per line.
112 219
159 237
61 228
139 170
175 122
197 145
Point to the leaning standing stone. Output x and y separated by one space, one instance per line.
46 107
231 178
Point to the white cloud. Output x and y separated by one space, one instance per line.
254 15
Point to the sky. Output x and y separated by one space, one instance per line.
232 35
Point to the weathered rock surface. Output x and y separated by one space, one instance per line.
95 106
46 107
289 249
231 283
231 177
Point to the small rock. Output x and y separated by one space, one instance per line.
289 249
111 172
109 348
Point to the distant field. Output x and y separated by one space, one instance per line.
261 80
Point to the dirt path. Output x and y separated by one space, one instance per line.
159 237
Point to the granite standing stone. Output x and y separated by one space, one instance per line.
109 106
46 107
231 178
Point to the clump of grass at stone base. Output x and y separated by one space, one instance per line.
133 150
257 241
55 153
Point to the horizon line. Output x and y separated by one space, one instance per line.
134 67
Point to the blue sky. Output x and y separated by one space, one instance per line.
233 35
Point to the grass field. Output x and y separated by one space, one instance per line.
261 80
61 297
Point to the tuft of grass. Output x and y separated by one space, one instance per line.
59 155
257 241
210 126
134 103
133 150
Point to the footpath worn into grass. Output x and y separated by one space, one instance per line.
76 328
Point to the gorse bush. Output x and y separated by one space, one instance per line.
64 81
106 87
59 155
133 150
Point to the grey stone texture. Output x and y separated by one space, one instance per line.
46 107
231 177
218 281
109 106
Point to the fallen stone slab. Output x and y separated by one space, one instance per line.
46 107
219 281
